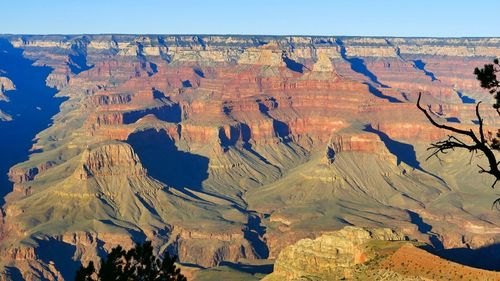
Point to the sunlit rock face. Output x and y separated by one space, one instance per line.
331 256
224 148
354 253
5 85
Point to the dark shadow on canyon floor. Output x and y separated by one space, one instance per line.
31 106
358 65
419 64
293 65
13 274
281 129
484 258
404 152
419 222
164 162
425 228
453 120
78 62
465 99
166 113
376 92
61 254
251 269
254 233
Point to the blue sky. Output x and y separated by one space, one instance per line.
441 18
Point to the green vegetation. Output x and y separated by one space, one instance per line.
138 263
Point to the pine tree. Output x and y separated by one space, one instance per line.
136 264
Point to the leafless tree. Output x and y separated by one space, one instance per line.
484 143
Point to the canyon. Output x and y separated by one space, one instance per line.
224 149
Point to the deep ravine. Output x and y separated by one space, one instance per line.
32 105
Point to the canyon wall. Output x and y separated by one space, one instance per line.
224 148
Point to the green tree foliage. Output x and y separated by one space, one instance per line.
489 81
488 78
136 264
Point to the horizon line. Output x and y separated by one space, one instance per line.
240 35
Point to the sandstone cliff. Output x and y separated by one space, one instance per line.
360 254
224 148
329 257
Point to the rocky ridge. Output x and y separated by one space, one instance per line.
354 253
331 256
221 148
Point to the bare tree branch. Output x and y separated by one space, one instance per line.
480 120
452 142
488 144
442 126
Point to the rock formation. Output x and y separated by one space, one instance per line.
225 148
359 254
5 85
331 256
4 116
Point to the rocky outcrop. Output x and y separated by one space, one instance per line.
224 148
367 254
5 85
4 116
109 160
357 142
210 249
332 256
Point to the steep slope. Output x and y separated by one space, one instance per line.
329 257
373 254
91 207
223 148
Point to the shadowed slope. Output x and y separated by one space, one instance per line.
166 163
235 166
31 106
403 151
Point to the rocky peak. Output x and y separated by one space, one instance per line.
250 118
110 160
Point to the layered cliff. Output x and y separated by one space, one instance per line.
330 256
224 148
367 254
